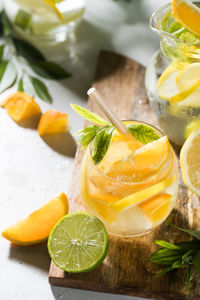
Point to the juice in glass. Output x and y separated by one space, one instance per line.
173 76
134 188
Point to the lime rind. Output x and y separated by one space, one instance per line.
78 242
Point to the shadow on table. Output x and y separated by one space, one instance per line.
36 255
62 142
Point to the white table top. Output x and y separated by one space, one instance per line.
31 172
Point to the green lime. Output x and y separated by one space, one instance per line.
78 242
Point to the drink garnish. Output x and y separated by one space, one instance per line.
101 136
179 255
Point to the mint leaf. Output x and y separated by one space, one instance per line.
7 27
22 19
49 70
143 133
101 143
8 75
88 115
28 51
194 233
1 51
25 85
196 262
41 90
87 134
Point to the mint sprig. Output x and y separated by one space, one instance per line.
101 136
179 255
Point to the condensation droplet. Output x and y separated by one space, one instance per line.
142 101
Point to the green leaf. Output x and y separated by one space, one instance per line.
7 27
1 51
196 262
41 90
28 51
101 143
8 75
189 278
87 134
168 245
143 133
49 70
22 19
88 115
25 85
194 233
168 269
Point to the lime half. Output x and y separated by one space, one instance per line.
78 242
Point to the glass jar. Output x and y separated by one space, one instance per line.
173 93
42 21
128 205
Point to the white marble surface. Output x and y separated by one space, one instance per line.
31 172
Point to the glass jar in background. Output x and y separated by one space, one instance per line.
128 203
44 21
173 77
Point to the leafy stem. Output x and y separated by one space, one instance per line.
179 255
26 56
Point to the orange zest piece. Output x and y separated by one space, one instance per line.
21 106
187 14
157 207
37 226
53 121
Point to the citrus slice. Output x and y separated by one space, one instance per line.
143 195
187 14
21 106
37 226
190 162
53 5
157 208
53 121
145 160
168 89
78 242
188 76
191 127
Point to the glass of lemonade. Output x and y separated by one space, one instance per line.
134 188
44 20
173 76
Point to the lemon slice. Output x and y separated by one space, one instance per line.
188 76
143 195
190 162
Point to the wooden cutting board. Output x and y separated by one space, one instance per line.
127 269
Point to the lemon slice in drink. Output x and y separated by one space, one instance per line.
188 76
78 242
191 127
190 162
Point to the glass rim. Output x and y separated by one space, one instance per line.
120 181
161 32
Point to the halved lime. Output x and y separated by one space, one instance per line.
78 242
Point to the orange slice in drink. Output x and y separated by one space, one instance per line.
37 226
187 14
143 195
21 106
53 121
157 207
145 160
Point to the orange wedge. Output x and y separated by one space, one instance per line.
21 106
53 121
37 226
187 14
157 207
146 159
